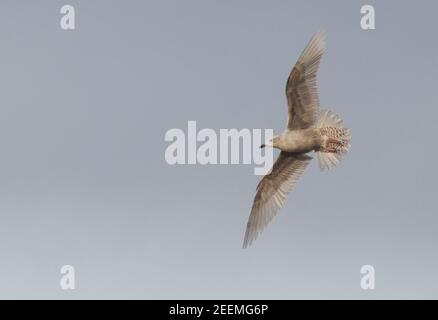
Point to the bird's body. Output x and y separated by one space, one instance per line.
311 139
309 128
299 141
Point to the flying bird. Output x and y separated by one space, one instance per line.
309 128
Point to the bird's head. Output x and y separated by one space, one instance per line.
273 143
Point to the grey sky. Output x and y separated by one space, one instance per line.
84 181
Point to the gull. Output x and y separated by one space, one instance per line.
309 128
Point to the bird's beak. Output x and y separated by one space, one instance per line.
262 146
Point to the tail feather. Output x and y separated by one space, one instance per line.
336 140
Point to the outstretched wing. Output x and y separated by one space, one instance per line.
272 191
301 89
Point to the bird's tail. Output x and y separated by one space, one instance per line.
336 140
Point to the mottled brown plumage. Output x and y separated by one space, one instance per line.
308 129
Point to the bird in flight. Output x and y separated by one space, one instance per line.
309 128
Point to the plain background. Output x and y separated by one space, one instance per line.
83 179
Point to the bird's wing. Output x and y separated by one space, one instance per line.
272 191
301 89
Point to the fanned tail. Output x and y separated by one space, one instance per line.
336 140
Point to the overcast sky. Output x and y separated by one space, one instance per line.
84 181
